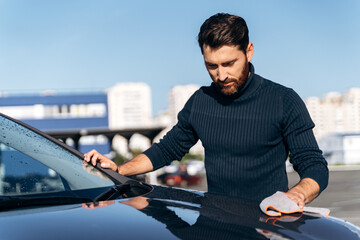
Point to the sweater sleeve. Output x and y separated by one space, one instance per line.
305 154
177 142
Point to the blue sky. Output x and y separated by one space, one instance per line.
310 46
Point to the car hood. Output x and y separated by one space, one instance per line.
168 213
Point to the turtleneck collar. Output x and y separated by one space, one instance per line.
244 91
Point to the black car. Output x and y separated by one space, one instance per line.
48 192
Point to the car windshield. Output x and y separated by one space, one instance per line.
31 164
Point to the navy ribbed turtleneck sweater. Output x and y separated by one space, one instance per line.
247 139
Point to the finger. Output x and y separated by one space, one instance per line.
105 165
87 156
300 202
111 165
96 157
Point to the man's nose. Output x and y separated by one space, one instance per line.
222 74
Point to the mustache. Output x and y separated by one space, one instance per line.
226 81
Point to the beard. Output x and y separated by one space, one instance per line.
231 89
228 89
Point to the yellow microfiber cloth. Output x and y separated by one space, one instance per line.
278 204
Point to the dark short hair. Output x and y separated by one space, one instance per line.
224 29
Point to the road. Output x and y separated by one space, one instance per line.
342 196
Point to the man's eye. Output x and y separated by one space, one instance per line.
212 66
229 64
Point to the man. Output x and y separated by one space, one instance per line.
248 126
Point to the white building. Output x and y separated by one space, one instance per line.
341 148
178 96
129 105
335 113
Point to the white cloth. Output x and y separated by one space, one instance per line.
278 204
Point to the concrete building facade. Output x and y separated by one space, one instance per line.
129 105
335 113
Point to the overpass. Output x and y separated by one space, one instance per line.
76 134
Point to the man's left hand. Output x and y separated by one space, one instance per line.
304 192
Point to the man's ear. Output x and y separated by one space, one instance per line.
250 51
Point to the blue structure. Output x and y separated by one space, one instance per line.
57 112
57 123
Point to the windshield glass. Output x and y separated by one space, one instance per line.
31 163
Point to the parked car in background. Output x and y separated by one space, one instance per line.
182 174
47 191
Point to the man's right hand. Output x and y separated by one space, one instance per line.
138 165
94 156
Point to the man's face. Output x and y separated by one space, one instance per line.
228 66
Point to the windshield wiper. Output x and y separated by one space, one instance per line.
131 188
10 202
113 192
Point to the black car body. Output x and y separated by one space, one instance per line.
48 192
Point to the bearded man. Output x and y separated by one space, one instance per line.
247 124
